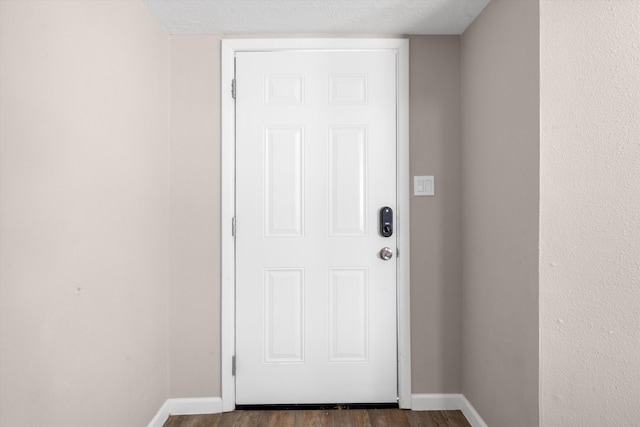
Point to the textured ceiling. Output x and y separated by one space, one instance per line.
315 16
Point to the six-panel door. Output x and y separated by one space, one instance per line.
316 160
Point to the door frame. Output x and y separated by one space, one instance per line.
229 47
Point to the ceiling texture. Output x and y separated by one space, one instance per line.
370 17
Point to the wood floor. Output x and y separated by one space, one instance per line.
323 418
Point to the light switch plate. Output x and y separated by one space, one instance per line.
424 186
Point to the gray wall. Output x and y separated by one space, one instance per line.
194 289
500 182
436 270
84 213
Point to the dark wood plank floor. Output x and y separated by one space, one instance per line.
323 418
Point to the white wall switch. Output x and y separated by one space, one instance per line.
424 186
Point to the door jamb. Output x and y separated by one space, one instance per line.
229 47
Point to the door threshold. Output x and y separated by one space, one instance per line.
313 406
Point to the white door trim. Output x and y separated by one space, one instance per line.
228 50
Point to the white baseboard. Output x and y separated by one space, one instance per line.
186 406
161 416
447 402
419 402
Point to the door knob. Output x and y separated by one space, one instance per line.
386 253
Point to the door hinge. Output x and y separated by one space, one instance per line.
233 365
233 88
233 226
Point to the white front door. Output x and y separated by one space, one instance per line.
316 162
